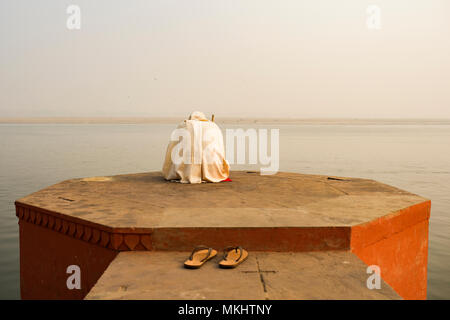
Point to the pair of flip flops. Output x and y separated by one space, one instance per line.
232 257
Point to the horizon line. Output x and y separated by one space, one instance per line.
171 119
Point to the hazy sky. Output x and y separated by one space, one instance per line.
258 58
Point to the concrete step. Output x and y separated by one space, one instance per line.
264 275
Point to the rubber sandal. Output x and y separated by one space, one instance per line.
199 256
232 257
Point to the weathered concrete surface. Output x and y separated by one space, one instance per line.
286 212
283 212
283 200
265 275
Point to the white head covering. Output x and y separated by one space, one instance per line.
197 115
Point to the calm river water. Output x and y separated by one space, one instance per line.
411 157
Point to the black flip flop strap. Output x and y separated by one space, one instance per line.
228 249
198 248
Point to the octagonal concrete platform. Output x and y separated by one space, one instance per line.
88 221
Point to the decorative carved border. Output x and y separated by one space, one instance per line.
120 241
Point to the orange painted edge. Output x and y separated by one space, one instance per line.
379 241
368 233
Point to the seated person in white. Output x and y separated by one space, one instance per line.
196 152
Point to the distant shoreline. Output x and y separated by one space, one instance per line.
225 120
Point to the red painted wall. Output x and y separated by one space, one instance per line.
45 256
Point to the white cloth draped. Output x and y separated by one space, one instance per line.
200 158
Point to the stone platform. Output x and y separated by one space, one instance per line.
89 221
264 275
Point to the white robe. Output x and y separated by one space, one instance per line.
203 159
